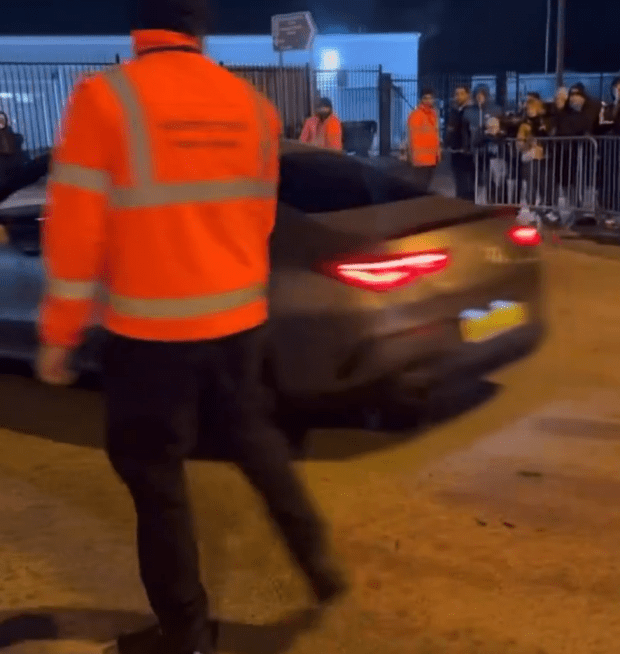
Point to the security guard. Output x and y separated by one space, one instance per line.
424 140
164 190
324 129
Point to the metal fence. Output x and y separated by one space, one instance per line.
34 95
561 175
354 94
290 89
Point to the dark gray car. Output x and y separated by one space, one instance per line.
374 284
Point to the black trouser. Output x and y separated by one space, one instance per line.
155 393
464 171
423 177
539 180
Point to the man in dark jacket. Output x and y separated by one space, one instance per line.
575 157
481 113
483 118
610 113
10 149
581 115
458 143
609 152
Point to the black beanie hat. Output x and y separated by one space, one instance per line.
578 89
183 16
326 103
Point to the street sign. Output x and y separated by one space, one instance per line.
293 31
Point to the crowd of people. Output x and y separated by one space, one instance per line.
475 123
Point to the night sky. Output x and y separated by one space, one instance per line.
466 36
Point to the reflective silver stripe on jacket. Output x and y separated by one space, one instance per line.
141 163
88 179
68 289
192 307
146 192
190 192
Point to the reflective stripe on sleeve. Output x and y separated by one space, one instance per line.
68 289
163 194
88 179
139 146
182 308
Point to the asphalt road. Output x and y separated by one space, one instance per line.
489 527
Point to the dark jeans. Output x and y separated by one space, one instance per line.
538 177
464 171
423 177
155 394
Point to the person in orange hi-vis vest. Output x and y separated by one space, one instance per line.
324 129
161 202
424 140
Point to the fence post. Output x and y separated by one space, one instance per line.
517 91
602 89
501 87
311 90
385 113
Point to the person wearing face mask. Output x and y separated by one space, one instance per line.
573 156
580 116
323 130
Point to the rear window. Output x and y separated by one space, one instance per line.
322 182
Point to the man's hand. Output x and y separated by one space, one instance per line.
53 365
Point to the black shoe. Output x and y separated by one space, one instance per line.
328 584
152 641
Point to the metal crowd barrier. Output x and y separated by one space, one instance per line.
608 175
560 175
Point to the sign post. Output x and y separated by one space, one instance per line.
292 32
561 43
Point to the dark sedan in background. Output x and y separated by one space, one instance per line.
375 285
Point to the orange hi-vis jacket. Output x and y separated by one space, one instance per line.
162 198
326 134
424 141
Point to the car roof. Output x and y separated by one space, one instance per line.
289 146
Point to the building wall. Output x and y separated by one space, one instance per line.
347 68
396 53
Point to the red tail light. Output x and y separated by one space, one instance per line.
524 235
386 272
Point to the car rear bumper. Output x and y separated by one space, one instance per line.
415 346
473 359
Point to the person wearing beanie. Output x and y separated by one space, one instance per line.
580 102
166 175
324 129
424 140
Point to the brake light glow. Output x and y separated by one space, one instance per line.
524 235
386 272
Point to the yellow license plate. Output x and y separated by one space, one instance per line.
478 326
